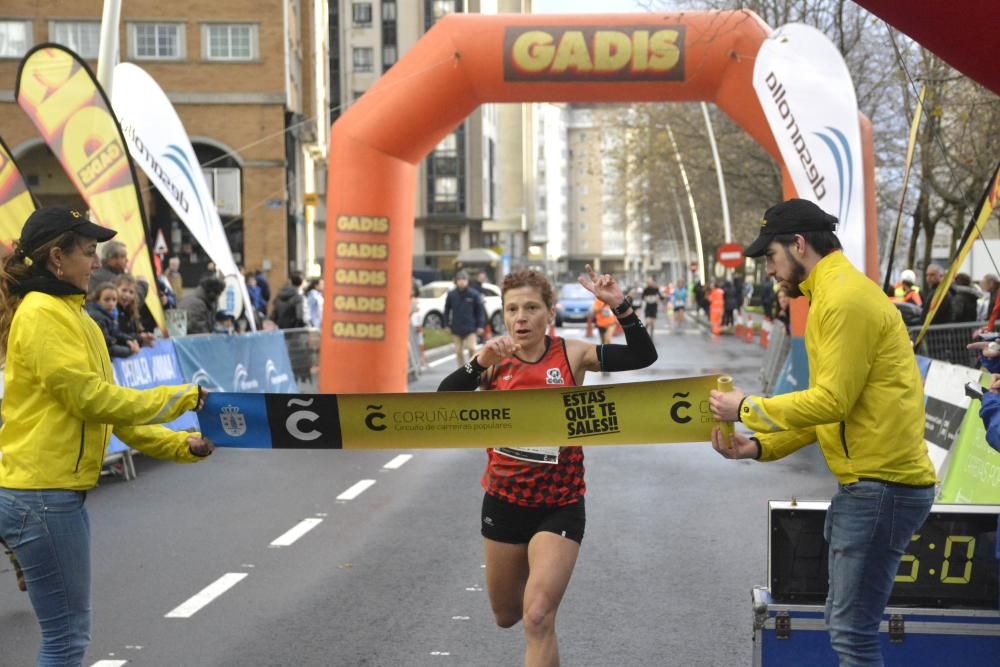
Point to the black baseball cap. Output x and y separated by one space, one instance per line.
790 217
48 222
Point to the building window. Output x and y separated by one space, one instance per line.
436 9
15 38
233 41
362 13
363 59
446 174
157 41
388 55
81 37
224 184
388 11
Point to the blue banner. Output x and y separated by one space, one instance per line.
151 367
254 363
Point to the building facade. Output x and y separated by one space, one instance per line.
472 209
248 79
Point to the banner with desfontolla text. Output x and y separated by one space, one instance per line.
63 99
158 142
807 95
637 413
16 203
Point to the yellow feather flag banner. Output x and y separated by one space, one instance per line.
972 232
63 99
525 424
16 203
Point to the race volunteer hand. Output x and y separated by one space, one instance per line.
200 446
604 287
496 349
202 393
995 383
725 406
742 446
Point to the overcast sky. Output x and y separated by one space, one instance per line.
584 6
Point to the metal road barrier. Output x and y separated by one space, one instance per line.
947 342
778 344
303 353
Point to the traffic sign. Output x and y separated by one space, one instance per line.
730 255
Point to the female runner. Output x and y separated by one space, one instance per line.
533 514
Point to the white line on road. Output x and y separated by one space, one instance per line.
109 663
207 594
356 490
438 362
297 531
398 461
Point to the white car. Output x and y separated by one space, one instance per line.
430 305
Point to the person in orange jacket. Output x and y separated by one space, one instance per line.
717 304
605 321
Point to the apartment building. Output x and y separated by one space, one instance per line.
249 80
472 207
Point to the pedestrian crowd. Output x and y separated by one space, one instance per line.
117 302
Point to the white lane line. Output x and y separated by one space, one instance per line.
207 594
356 490
109 663
398 461
438 362
297 531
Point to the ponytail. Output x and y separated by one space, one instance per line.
17 268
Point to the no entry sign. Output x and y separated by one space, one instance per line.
730 255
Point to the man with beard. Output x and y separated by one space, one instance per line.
860 361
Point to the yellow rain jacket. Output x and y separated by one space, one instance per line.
61 402
865 401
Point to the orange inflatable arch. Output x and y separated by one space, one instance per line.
468 60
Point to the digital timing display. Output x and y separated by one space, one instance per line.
950 563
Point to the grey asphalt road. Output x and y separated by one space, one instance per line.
676 538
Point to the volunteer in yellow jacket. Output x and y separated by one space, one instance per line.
864 405
60 407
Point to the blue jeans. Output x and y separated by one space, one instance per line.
49 532
868 527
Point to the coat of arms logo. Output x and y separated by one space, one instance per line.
233 421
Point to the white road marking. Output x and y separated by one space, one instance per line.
297 531
356 490
207 594
109 663
438 362
398 461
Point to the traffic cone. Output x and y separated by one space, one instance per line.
738 324
765 332
748 329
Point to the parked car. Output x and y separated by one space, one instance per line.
430 304
573 303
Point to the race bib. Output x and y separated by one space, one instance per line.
531 454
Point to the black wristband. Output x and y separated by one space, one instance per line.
473 367
739 412
620 309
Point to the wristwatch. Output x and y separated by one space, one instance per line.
620 309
